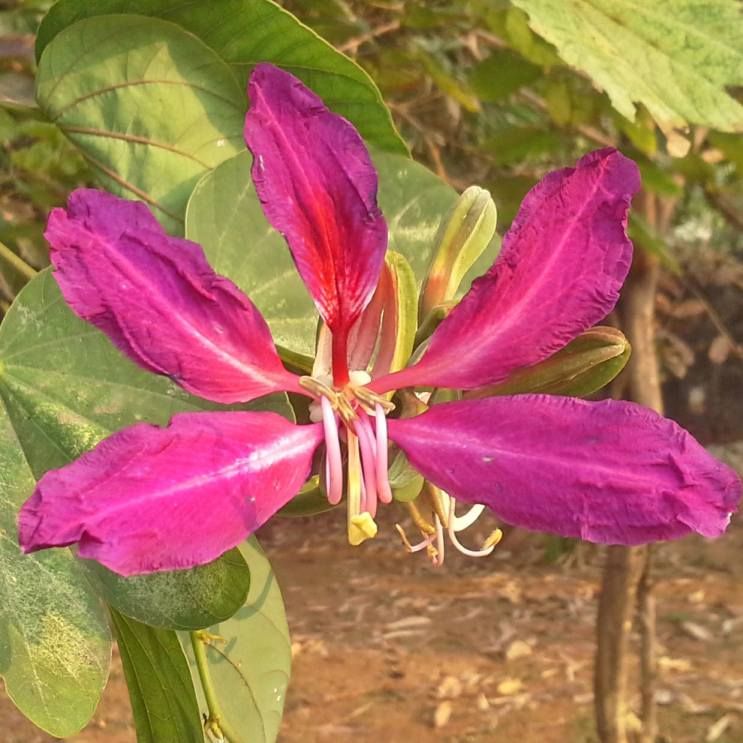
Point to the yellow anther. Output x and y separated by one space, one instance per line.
370 399
317 387
343 406
493 539
338 400
360 528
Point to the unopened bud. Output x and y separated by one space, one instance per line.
462 240
584 366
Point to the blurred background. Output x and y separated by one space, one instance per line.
386 647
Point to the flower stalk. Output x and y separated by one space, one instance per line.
216 725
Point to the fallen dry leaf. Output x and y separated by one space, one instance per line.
508 687
450 687
442 714
517 649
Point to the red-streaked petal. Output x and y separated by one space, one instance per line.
318 188
149 498
562 265
158 300
610 472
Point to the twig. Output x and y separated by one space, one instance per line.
352 45
648 653
16 262
717 321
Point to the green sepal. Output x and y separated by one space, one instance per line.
406 482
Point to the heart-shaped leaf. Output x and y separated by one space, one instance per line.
243 32
150 106
55 644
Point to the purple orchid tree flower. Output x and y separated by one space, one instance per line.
151 498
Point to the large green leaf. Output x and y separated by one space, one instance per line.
244 32
64 387
674 56
55 644
148 104
250 667
226 218
160 687
183 600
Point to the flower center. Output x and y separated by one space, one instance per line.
358 416
348 413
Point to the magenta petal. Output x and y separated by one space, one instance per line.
158 300
150 498
318 188
610 472
559 272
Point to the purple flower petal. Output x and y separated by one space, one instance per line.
560 270
318 188
150 498
610 472
158 300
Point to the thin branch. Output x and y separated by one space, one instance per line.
714 316
352 45
16 262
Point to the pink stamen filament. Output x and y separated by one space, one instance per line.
333 461
421 545
383 481
368 459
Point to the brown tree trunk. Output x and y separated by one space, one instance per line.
648 655
622 572
626 583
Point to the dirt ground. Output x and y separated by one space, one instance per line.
389 649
